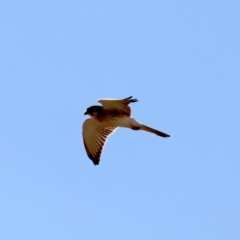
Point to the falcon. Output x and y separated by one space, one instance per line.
104 120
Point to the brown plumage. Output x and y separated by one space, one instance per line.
105 120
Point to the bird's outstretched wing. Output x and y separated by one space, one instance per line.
118 105
94 137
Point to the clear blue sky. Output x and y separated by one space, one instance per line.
181 59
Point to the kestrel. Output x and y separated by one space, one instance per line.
105 120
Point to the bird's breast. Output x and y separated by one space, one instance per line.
115 120
123 121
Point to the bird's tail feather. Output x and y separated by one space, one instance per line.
151 130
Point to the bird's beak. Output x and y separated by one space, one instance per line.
85 113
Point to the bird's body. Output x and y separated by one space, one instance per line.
105 120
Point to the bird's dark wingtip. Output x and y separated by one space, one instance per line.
95 160
128 98
131 99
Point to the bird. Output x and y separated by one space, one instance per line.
104 121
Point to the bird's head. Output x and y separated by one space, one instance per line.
93 111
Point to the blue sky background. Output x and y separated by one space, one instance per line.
180 59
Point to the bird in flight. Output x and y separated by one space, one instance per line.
104 120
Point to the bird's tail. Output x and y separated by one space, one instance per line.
151 130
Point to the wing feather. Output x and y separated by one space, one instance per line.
119 105
95 135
